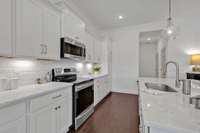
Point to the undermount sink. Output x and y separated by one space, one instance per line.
159 87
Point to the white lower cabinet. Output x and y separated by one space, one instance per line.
17 126
150 129
64 115
44 120
55 117
12 119
101 89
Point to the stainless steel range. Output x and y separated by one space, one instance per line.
83 94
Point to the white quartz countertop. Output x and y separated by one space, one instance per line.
93 76
30 91
168 110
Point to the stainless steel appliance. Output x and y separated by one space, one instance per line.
83 102
73 49
83 94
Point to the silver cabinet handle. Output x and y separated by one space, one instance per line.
57 96
42 48
46 49
148 130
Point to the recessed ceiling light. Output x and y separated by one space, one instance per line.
149 39
120 17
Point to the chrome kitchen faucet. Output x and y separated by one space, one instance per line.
178 82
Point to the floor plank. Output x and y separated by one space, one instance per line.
117 114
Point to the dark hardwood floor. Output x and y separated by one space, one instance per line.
118 113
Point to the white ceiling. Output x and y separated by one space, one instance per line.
104 13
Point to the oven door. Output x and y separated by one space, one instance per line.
84 97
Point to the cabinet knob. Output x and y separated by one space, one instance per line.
59 107
56 108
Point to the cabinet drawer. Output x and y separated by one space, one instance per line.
43 101
12 113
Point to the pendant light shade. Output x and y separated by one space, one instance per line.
170 31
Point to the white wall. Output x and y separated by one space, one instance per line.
148 59
126 47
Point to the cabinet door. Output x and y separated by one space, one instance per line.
79 29
160 130
72 26
97 91
89 48
64 115
51 35
67 24
17 126
29 28
44 121
6 28
97 51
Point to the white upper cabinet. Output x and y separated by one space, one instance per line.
72 26
6 28
89 48
29 28
97 51
52 36
37 31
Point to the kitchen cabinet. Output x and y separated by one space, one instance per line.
13 119
93 49
72 26
6 28
51 44
37 30
64 115
89 48
44 120
17 126
29 28
150 129
97 51
101 89
51 113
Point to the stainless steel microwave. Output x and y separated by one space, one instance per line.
73 49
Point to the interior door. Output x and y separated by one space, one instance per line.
6 27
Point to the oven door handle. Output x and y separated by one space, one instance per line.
83 86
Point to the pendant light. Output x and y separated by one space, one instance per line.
170 30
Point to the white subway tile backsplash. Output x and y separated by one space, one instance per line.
28 70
